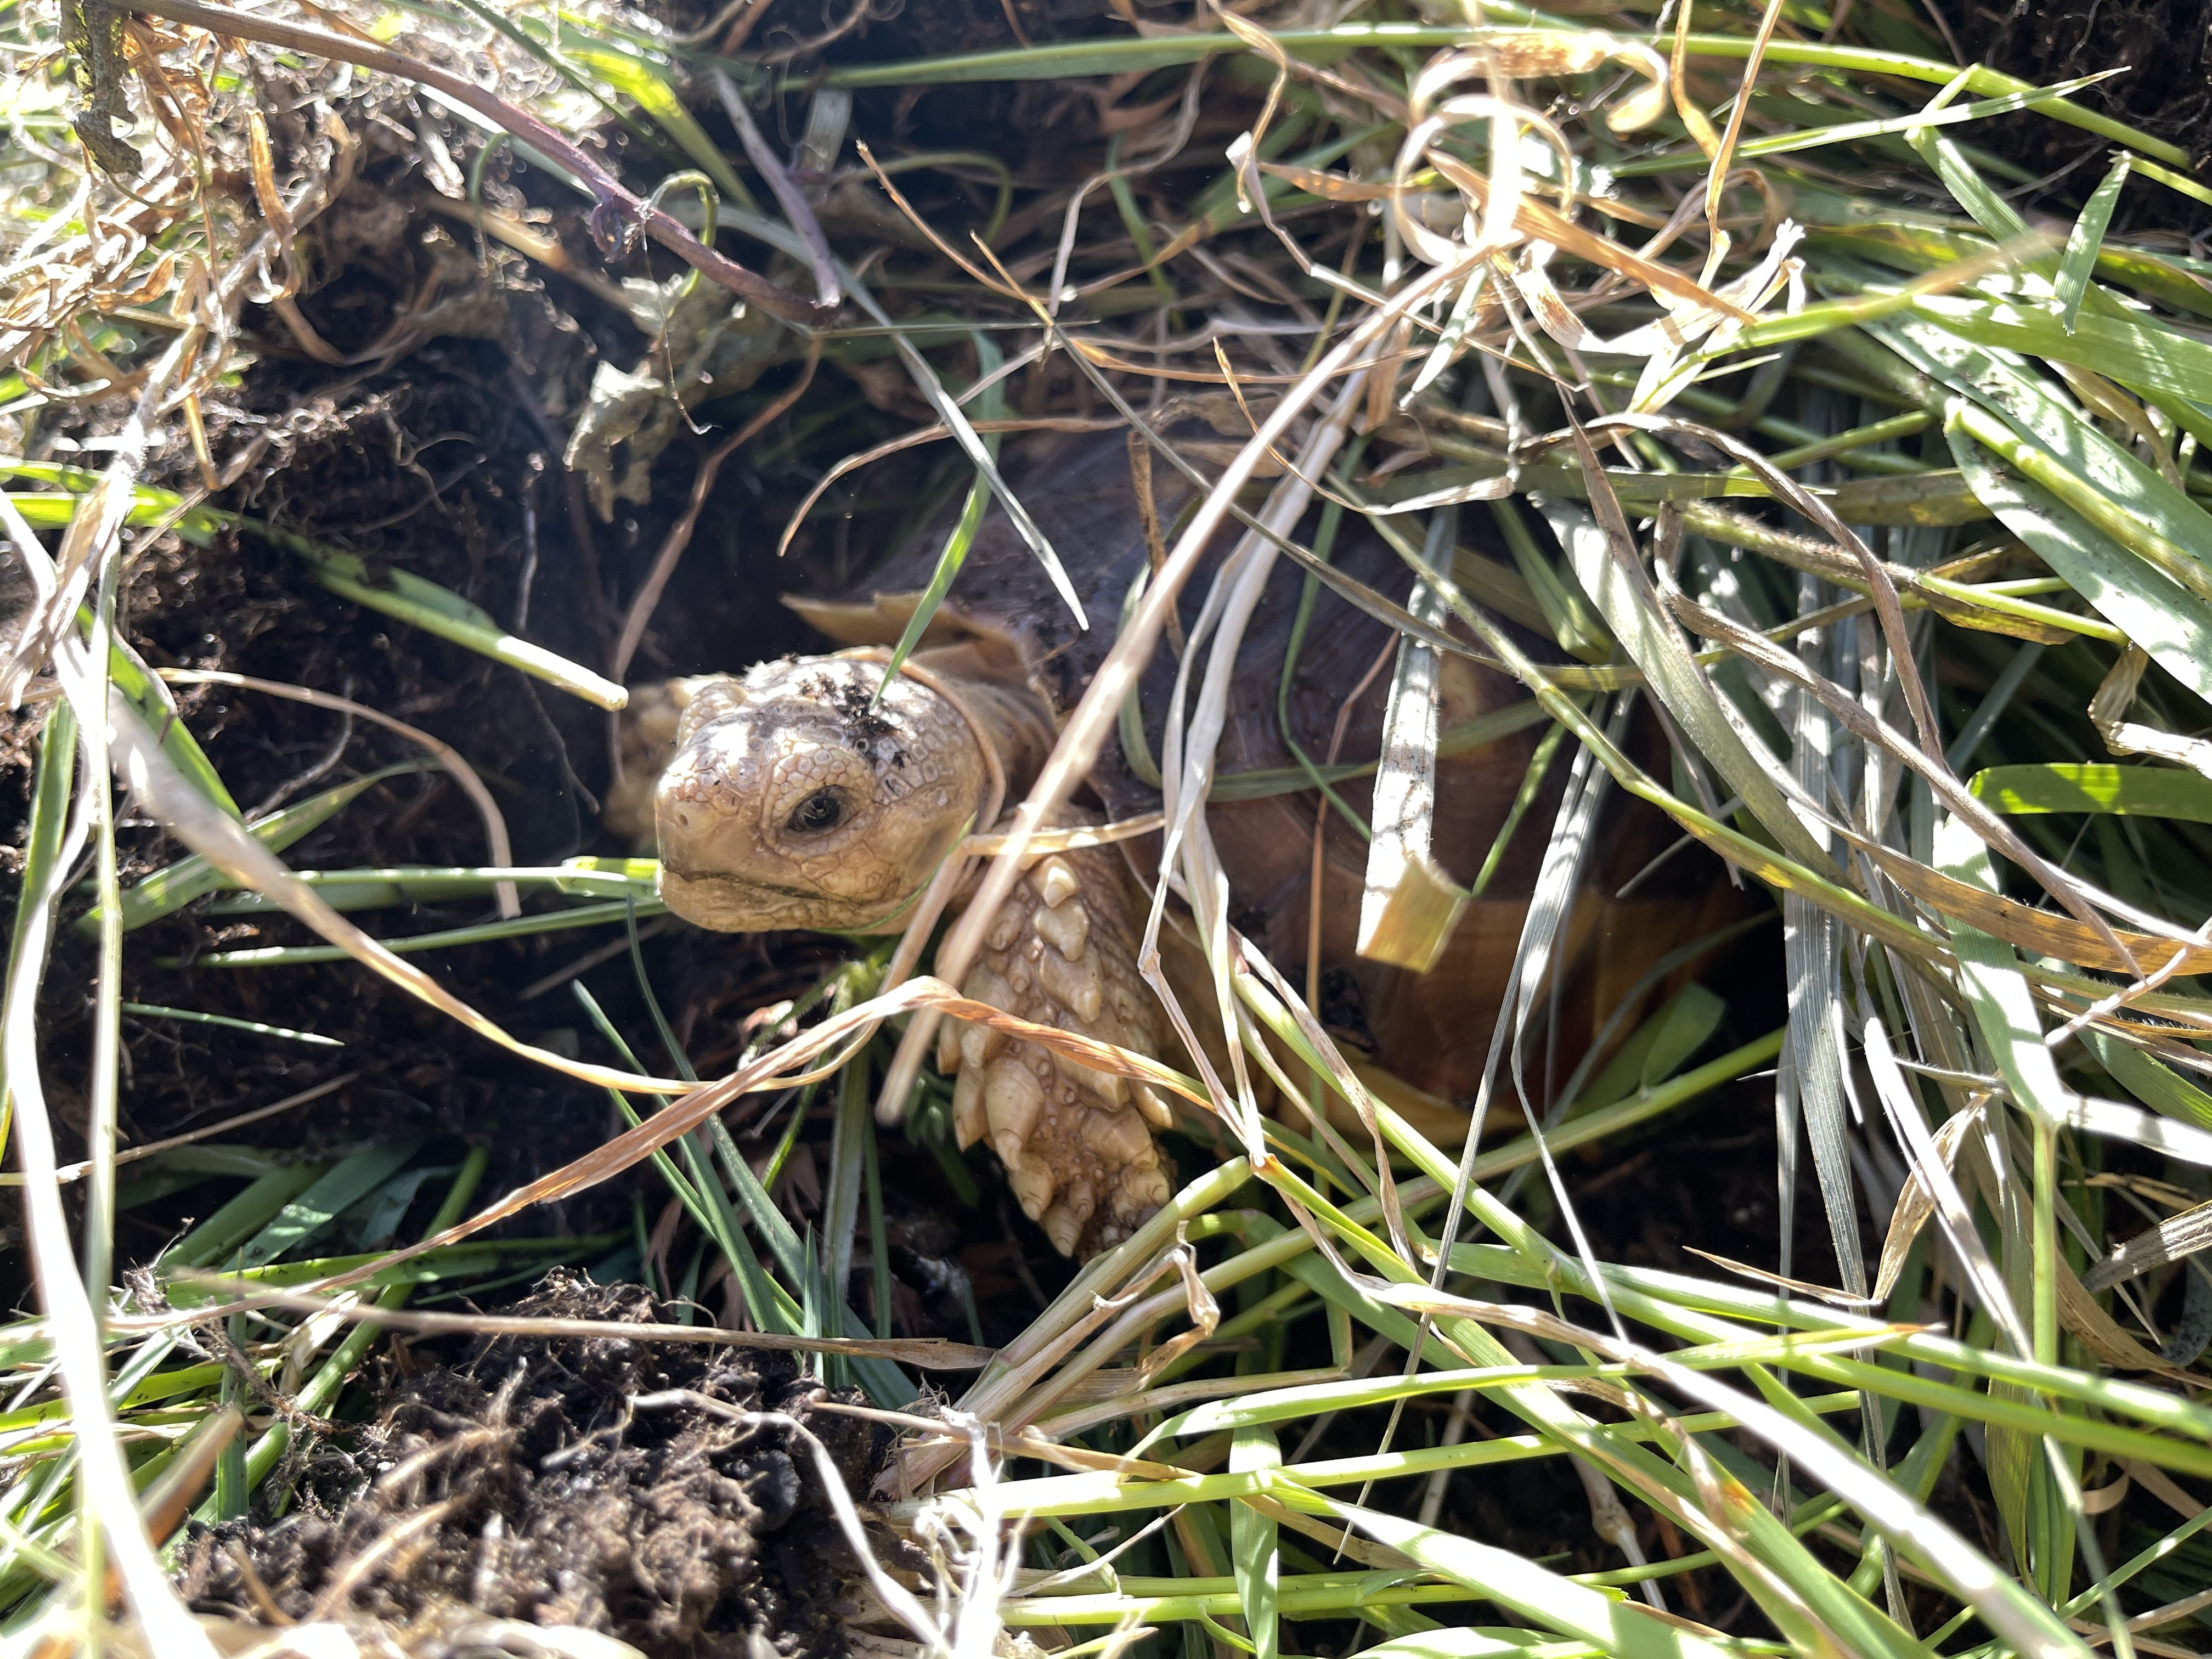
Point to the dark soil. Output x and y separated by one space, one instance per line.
524 1483
2164 45
445 461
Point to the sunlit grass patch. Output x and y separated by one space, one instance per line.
1884 494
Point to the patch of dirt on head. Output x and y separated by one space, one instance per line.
526 1484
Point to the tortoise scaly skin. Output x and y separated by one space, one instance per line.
1077 1144
796 799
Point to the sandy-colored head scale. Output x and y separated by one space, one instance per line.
797 798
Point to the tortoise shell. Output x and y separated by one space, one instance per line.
1431 1030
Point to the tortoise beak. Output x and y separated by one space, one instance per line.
727 905
702 850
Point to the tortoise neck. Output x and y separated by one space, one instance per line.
1008 714
1017 726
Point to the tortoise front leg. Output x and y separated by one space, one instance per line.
1077 1144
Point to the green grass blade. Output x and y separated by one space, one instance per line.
841 1203
699 1193
344 1182
1502 1642
244 1215
991 405
1113 56
435 610
2137 350
552 921
2151 609
1255 1560
1545 1599
2077 266
151 697
1633 613
322 1387
554 61
1637 1066
166 891
51 789
2126 498
1710 1310
879 1242
1574 621
1841 132
2151 1080
649 89
2075 786
155 1011
948 411
396 593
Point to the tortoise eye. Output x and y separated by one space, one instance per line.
820 812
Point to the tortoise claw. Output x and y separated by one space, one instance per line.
969 1121
1064 1221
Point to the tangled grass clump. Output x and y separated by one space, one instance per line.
1883 491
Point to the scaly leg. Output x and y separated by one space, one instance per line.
1077 1143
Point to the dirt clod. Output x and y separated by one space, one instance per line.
523 1483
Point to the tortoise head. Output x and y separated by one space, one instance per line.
797 798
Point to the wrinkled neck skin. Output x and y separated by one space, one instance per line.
1000 704
796 799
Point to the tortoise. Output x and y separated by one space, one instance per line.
795 797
